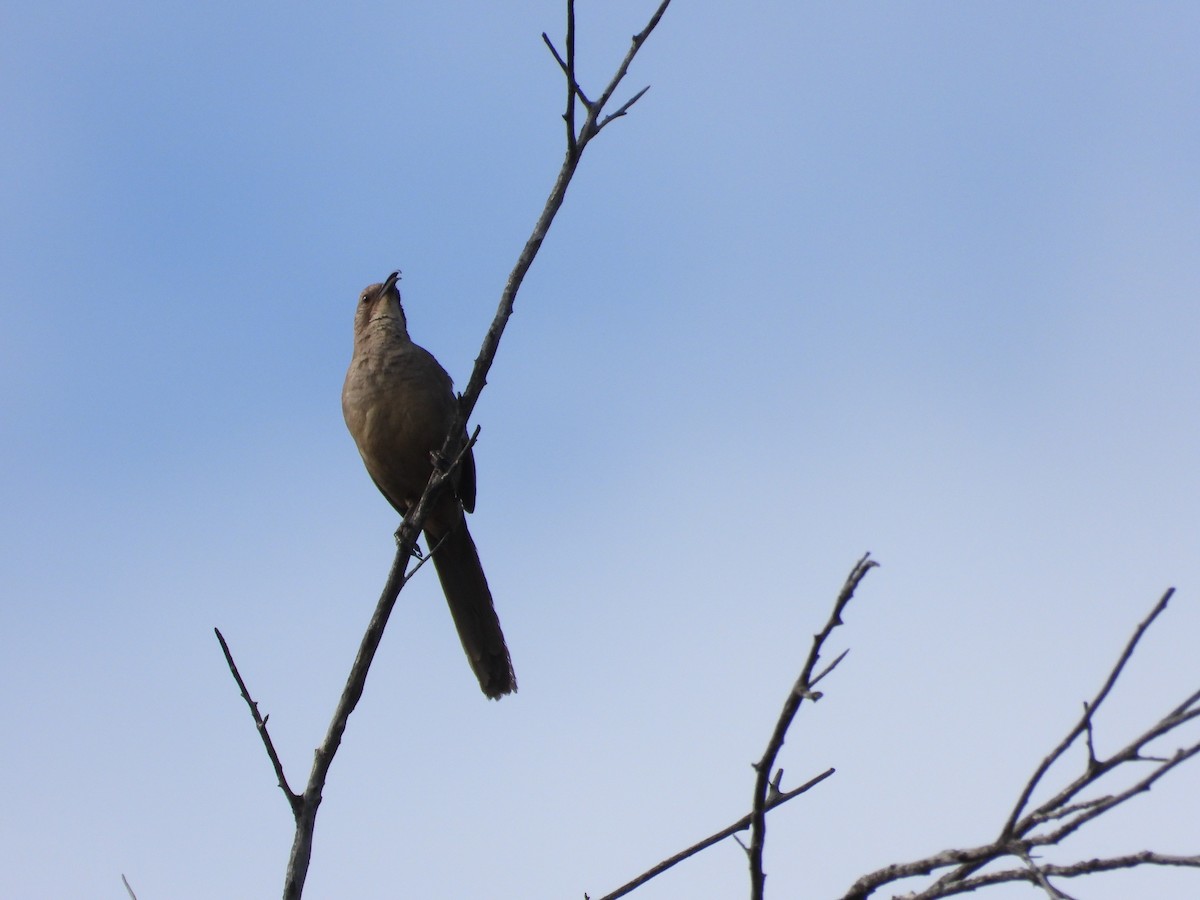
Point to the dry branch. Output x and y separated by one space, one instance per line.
304 806
778 798
802 690
768 793
1026 831
261 724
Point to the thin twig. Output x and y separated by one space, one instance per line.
260 723
623 109
1089 710
569 71
590 128
424 559
740 825
1066 809
1040 879
801 691
554 50
1081 727
1073 870
575 147
573 89
1186 704
829 668
1106 803
125 881
301 853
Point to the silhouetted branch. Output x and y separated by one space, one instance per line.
590 128
1044 871
261 724
577 140
777 799
1065 813
304 806
576 143
1084 724
802 690
768 792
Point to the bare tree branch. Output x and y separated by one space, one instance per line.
304 806
576 144
590 127
569 70
261 724
778 799
802 690
406 540
624 108
772 794
1074 870
1089 709
1051 822
576 140
1040 878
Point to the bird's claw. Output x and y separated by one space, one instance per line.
416 548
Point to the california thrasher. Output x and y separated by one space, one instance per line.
399 405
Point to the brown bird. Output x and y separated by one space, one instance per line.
399 405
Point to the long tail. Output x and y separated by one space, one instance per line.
470 601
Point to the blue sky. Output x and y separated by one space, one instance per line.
919 279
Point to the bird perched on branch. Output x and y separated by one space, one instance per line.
399 405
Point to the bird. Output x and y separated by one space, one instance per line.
399 405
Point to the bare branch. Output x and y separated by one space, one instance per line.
1098 807
590 128
1040 879
576 90
1186 704
422 560
768 791
261 724
125 881
575 148
801 691
1089 710
304 806
829 668
1068 812
554 51
778 799
624 108
573 89
1074 870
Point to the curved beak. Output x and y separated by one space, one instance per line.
390 281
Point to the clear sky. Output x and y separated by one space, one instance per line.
920 279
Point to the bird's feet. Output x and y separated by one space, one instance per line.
416 548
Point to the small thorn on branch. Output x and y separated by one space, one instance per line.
775 790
